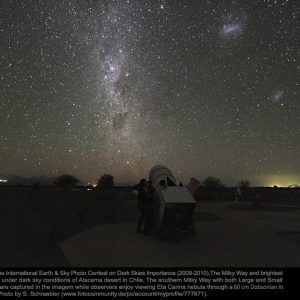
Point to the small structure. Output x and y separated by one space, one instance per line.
175 204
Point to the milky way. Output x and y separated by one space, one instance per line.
204 87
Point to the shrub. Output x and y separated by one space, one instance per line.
212 182
106 182
66 181
244 184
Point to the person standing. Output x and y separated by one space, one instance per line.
142 206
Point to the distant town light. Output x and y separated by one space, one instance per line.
280 180
3 180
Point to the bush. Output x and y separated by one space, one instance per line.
212 182
106 182
244 184
66 181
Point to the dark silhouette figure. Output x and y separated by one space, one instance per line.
144 205
257 201
151 208
237 194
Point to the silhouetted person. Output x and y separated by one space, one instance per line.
142 206
237 194
257 201
150 209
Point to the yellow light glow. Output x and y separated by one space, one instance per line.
281 180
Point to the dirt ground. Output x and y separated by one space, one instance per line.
50 228
227 236
33 222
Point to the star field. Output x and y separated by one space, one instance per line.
203 87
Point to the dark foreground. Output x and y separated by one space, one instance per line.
48 227
33 222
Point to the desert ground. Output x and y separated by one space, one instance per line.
46 227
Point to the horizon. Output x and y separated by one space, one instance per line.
5 181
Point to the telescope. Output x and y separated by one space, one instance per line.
174 205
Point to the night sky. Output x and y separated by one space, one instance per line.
207 88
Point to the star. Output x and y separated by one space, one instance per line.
120 86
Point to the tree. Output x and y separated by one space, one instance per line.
295 186
244 184
212 182
66 181
106 181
